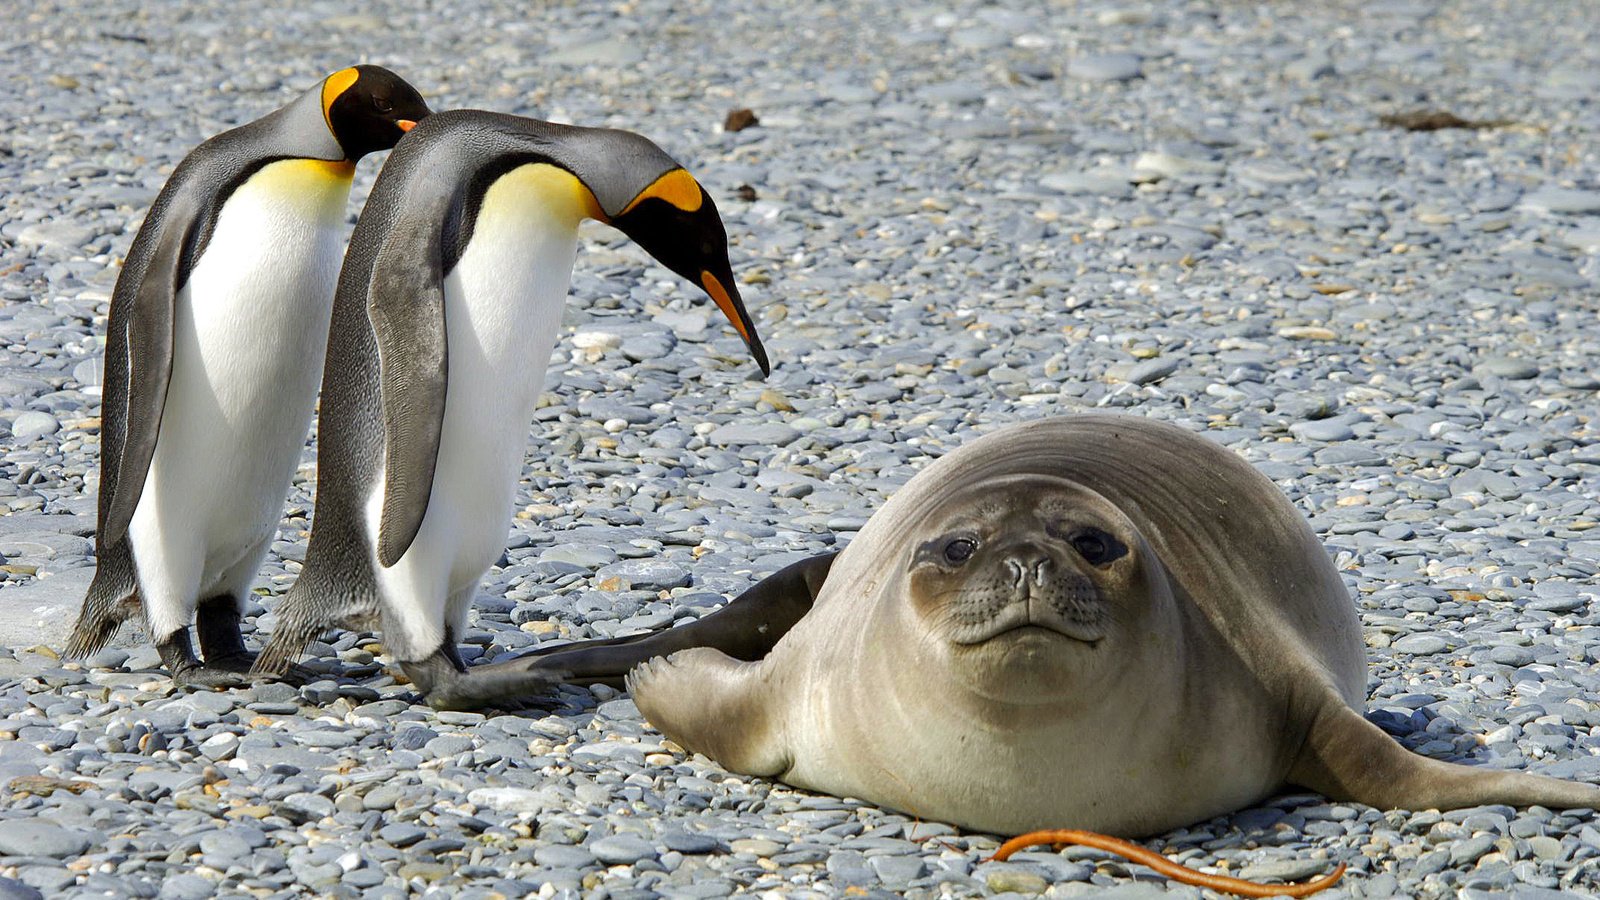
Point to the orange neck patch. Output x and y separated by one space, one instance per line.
677 187
332 87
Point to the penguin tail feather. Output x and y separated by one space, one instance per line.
289 640
103 613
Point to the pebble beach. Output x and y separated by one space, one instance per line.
1358 243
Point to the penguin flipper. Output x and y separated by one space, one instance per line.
405 303
145 342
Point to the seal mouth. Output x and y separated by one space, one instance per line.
1029 618
1046 632
1030 630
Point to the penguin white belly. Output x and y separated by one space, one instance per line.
503 305
250 333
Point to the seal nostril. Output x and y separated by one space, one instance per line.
1018 572
1041 571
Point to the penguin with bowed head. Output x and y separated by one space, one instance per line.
447 313
217 330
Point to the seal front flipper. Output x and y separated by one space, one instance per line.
405 301
1348 758
746 629
713 704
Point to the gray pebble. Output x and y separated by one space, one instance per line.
622 849
28 838
1106 67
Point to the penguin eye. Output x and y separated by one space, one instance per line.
959 550
382 104
1096 547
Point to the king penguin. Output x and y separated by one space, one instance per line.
217 331
446 316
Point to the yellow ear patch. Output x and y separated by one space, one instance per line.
333 86
677 187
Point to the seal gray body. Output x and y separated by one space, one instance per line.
1095 622
447 312
217 328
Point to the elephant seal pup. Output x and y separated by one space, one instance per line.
1102 622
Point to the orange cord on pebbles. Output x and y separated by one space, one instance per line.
1166 866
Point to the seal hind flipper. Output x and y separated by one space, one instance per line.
405 300
745 629
1347 757
711 703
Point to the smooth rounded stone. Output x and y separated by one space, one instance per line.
401 834
689 842
314 806
1421 644
1326 430
51 879
644 574
766 434
188 887
326 739
1349 454
1097 182
1270 173
513 799
1467 852
648 346
1106 67
1152 370
446 746
1506 367
64 235
109 658
1562 201
11 889
612 54
224 846
622 849
589 556
20 837
755 847
1003 878
897 871
1285 869
33 424
220 746
563 856
90 372
1516 657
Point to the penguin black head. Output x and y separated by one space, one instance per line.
369 108
674 220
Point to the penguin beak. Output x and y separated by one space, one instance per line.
405 124
726 296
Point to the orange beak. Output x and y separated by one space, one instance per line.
733 308
406 124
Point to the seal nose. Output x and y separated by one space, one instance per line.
1032 568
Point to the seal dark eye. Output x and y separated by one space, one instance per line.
959 550
1096 547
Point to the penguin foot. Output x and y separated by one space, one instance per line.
227 670
446 684
243 662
